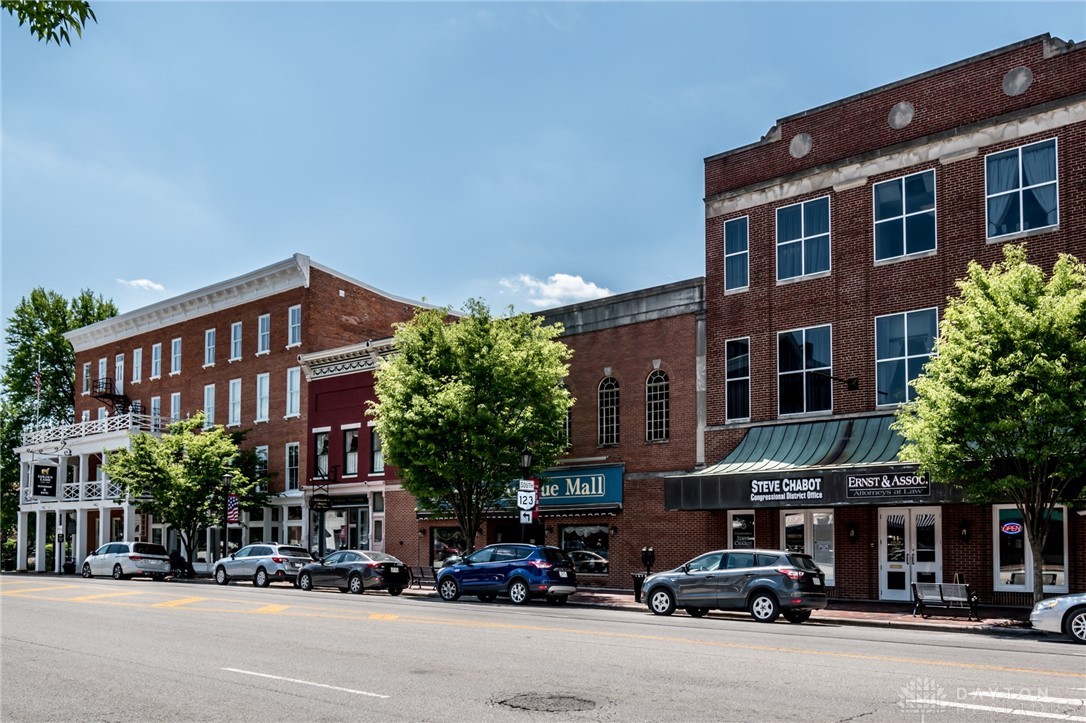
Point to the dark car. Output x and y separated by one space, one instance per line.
768 583
356 571
520 571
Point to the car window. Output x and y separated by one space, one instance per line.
381 557
146 548
334 559
556 556
117 548
765 560
102 550
738 560
507 553
292 551
483 555
244 552
706 562
804 562
262 551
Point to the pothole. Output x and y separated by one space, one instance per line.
549 703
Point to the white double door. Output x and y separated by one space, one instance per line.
910 549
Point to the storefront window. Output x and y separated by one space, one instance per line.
811 532
448 541
741 530
587 546
1014 558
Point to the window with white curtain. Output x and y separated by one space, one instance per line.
294 391
234 412
137 365
175 406
235 341
209 405
263 334
803 239
156 361
209 347
1021 189
293 461
175 356
294 326
262 391
86 377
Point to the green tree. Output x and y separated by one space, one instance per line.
38 379
51 21
459 402
1001 408
179 477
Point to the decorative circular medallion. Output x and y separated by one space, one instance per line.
1017 80
800 145
901 115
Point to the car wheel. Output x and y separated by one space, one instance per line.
797 616
118 573
260 579
518 592
354 584
661 601
487 597
449 590
220 576
305 581
697 612
764 607
394 591
1074 625
86 570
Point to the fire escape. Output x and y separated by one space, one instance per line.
105 390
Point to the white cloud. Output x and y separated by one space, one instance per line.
558 290
142 284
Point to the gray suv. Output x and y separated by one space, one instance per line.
768 583
263 562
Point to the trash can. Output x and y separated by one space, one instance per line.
69 566
638 582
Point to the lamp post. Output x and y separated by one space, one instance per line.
526 466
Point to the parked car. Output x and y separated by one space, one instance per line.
768 583
356 571
520 571
123 560
1062 614
262 562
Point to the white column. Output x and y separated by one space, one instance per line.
267 535
103 523
84 466
79 548
40 533
129 521
21 535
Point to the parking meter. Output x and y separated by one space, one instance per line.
648 558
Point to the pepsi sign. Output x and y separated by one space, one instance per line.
1011 528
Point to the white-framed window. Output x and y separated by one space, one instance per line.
209 348
811 532
175 357
1022 189
263 334
175 406
350 451
294 325
377 455
86 378
85 417
102 413
741 530
102 374
294 391
736 254
262 390
737 378
261 454
903 345
156 361
904 213
803 239
118 373
1013 564
156 414
320 454
657 407
137 365
234 413
292 465
235 341
209 405
804 368
608 420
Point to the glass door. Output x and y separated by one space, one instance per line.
910 549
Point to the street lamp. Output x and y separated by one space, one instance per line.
525 467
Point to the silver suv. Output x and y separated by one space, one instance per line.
263 562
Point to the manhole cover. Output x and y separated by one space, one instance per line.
549 703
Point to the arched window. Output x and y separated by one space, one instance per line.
608 411
657 424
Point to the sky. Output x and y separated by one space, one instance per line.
527 154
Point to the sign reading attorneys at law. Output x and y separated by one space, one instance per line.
883 486
45 480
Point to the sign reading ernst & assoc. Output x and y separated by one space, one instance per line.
884 486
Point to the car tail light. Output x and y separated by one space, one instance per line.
791 573
278 560
542 564
135 557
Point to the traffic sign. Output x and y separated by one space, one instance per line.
527 485
525 517
526 500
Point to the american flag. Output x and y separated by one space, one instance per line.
232 508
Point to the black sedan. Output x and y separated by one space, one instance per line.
356 571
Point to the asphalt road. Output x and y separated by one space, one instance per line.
105 650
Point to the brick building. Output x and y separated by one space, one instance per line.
231 350
832 245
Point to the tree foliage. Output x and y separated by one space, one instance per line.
461 400
1001 407
51 21
178 477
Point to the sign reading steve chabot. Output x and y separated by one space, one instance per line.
788 489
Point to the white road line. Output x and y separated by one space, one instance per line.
308 682
1029 698
993 709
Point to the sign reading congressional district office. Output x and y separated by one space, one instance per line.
886 485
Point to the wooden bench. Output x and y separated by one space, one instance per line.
944 595
421 575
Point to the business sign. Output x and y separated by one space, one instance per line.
583 487
320 501
45 480
883 486
787 489
1011 528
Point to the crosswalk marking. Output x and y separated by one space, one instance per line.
1028 698
996 709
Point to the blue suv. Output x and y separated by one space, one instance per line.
520 571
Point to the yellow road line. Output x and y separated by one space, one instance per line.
37 589
270 609
178 602
85 598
